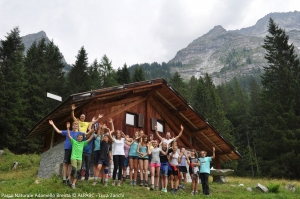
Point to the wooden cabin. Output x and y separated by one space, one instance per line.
135 106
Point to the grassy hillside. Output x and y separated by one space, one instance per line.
23 181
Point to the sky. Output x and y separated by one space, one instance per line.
131 31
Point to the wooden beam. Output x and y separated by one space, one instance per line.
124 108
173 122
200 128
211 141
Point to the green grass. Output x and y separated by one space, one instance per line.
24 181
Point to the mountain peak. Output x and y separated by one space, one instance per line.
217 30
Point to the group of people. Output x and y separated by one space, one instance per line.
141 153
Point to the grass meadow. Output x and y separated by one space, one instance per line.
23 183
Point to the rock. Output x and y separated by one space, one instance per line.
36 182
241 185
249 189
262 188
15 165
291 187
1 152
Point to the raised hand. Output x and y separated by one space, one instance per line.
51 122
100 116
73 107
181 127
94 119
109 120
155 128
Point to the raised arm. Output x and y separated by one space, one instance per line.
55 128
68 130
149 151
109 134
112 124
180 133
159 137
91 136
214 151
72 112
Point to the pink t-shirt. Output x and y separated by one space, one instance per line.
126 150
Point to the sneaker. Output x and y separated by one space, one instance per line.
94 183
175 191
134 183
131 183
152 187
119 183
172 191
142 183
68 182
105 182
145 183
165 190
196 193
73 186
113 183
192 192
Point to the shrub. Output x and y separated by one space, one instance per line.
273 187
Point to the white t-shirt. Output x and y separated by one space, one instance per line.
119 147
174 158
168 141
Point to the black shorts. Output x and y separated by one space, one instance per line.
67 156
133 157
174 172
182 169
104 162
96 156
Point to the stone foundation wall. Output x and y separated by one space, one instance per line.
52 161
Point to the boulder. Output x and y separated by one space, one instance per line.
249 189
291 187
262 188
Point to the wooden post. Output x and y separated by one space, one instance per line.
52 138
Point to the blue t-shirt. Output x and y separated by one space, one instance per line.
73 134
89 147
205 164
97 142
133 148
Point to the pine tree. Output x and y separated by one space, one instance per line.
178 83
280 137
12 92
138 74
95 78
108 74
123 75
78 76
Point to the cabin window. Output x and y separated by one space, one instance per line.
159 123
131 119
160 126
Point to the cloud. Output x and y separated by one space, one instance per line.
131 31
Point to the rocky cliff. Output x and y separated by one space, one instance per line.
225 54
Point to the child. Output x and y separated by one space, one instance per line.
192 160
68 148
164 166
126 160
143 160
182 168
133 159
205 170
77 149
173 161
118 154
155 163
105 157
